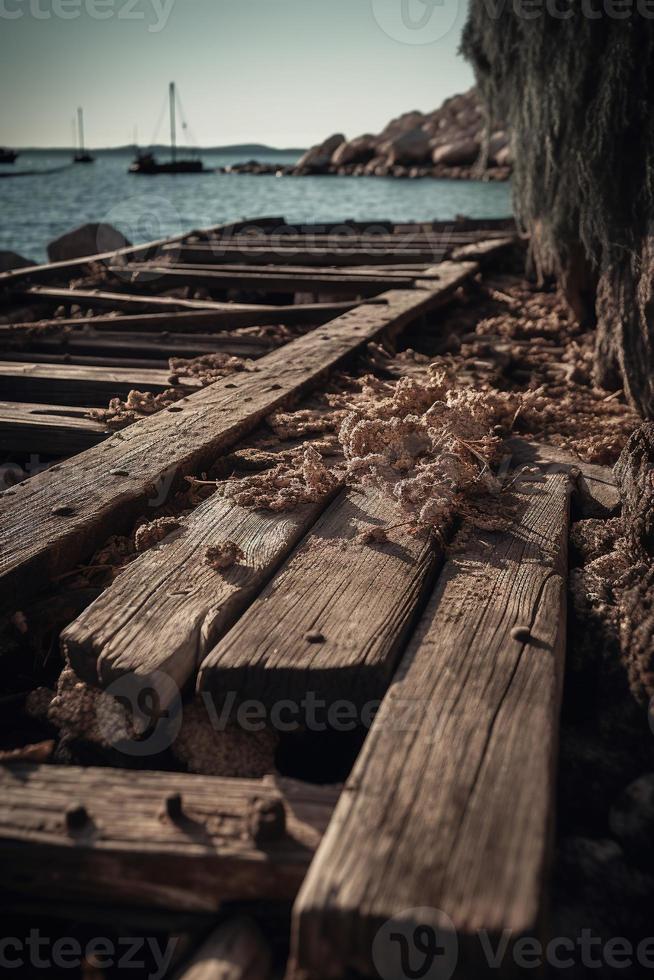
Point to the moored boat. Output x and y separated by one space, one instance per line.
147 163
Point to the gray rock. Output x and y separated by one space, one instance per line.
359 150
631 819
89 239
410 147
459 153
12 260
319 157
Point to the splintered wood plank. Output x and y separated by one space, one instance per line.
235 840
484 250
228 316
103 299
47 527
347 256
335 618
449 806
236 950
165 612
56 430
72 384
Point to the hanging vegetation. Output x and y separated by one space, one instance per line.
575 83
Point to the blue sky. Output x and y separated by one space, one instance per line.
284 72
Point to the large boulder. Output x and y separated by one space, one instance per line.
12 260
402 124
503 157
460 153
319 157
88 239
359 150
408 148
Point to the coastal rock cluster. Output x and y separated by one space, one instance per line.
448 142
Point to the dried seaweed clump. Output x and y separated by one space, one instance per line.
137 405
207 368
147 535
306 421
426 442
222 556
81 712
206 750
286 486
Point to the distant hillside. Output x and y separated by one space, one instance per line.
245 149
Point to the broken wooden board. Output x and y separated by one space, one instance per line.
329 255
334 619
449 808
70 384
54 430
102 835
596 491
483 250
47 528
165 611
236 950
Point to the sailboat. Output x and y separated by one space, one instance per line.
7 155
146 163
82 155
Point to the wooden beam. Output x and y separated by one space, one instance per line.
165 612
265 282
449 807
334 620
60 430
69 384
54 270
132 344
236 950
327 256
123 846
227 316
48 527
103 299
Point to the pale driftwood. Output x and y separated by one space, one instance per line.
596 492
165 612
123 846
55 430
450 804
104 299
335 618
236 950
47 527
72 384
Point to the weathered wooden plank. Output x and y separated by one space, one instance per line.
133 344
70 384
103 299
596 491
449 807
483 250
348 256
227 317
54 270
47 527
265 282
335 618
236 950
165 612
59 430
124 847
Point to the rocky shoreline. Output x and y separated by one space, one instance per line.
452 143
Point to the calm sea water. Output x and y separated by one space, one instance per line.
36 209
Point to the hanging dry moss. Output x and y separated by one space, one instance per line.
576 92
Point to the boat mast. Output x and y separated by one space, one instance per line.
172 121
80 129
